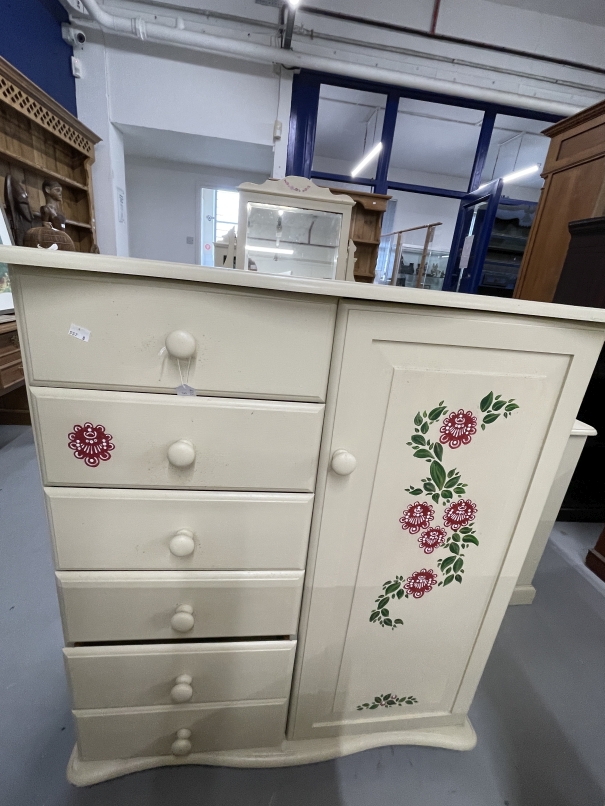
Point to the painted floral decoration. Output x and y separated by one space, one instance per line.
387 701
420 582
91 443
417 516
459 513
458 428
432 539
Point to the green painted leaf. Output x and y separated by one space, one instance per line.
416 492
486 402
392 588
400 594
382 603
424 428
452 473
418 419
448 561
458 565
390 702
448 580
452 482
459 490
384 612
374 705
374 615
454 548
458 578
456 537
447 495
490 418
388 622
498 405
422 453
465 530
437 472
471 539
398 621
482 427
418 439
435 498
429 487
436 413
438 450
511 407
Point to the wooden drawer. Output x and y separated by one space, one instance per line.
9 346
139 529
143 605
130 676
132 732
11 374
247 344
251 445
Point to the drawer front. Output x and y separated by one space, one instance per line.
123 439
143 605
165 674
168 529
246 344
9 346
134 732
11 374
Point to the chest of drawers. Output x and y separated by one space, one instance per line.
287 515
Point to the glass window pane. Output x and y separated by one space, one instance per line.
434 144
517 144
404 247
227 206
349 125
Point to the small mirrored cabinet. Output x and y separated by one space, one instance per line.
293 227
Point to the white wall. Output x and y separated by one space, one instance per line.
164 205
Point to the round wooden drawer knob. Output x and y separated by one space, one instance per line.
343 462
180 344
182 543
181 745
182 690
181 453
182 620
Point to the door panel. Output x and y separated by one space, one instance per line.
455 406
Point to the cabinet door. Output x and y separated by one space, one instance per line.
457 421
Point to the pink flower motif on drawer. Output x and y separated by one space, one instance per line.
458 428
459 513
417 516
420 582
91 443
432 539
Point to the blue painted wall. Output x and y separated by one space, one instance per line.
30 39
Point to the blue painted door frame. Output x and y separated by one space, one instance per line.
481 221
301 146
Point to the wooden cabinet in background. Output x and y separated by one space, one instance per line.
366 225
13 397
40 140
574 175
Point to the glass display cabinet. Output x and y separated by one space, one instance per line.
294 227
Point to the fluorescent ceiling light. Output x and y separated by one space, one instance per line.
273 249
523 172
368 158
293 3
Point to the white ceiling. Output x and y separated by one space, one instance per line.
196 149
590 11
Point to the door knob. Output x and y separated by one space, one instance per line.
181 453
182 620
181 745
343 463
182 690
182 543
180 344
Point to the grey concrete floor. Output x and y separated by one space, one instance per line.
539 712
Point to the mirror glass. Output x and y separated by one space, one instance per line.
292 241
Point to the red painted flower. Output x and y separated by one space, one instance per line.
432 539
417 516
420 582
458 428
91 443
459 513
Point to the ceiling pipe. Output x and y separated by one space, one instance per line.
266 54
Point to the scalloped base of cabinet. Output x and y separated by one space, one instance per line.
289 754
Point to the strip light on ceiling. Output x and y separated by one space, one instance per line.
273 249
368 158
518 174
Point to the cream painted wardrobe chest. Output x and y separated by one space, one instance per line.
287 515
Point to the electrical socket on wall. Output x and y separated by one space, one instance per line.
190 239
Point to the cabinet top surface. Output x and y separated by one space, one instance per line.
106 264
